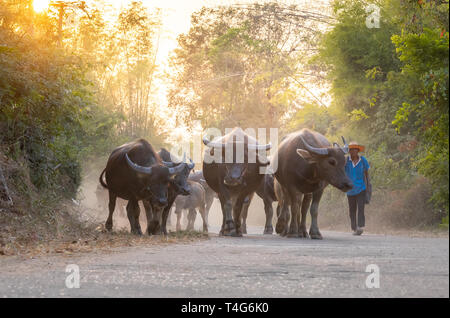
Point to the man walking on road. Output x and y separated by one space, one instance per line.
356 169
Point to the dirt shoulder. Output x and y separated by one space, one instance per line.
98 241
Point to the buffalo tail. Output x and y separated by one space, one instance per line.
101 179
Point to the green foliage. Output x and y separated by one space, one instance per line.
425 57
314 117
390 89
48 112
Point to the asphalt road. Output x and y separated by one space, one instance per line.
253 266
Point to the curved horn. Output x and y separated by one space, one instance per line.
168 164
191 165
260 147
345 148
212 144
138 168
265 162
176 169
336 145
317 151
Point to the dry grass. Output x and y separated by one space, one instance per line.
98 240
39 224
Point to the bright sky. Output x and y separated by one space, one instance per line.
176 16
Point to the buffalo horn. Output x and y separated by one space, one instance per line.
212 144
260 147
317 151
345 148
138 168
176 169
191 165
168 164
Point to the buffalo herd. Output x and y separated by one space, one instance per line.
235 167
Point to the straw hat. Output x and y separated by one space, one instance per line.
355 145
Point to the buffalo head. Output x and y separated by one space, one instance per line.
155 180
179 180
329 163
234 170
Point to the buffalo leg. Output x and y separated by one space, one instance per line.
283 202
314 232
228 223
283 218
237 216
244 214
295 199
164 217
305 206
155 223
111 206
204 215
148 214
209 198
166 213
179 214
223 221
268 209
191 219
133 216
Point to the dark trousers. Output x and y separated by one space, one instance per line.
357 202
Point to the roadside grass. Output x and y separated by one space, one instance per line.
95 240
40 223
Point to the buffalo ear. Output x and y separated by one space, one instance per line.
306 155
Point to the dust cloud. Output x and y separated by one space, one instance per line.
387 213
94 207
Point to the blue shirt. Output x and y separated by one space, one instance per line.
356 174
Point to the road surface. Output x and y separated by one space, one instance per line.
253 266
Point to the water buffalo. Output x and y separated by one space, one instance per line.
307 163
156 215
135 172
191 202
210 194
232 175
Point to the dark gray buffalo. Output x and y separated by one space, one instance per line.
307 163
135 172
229 172
195 200
157 215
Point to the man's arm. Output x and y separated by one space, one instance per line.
366 172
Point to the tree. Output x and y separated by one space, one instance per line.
237 65
423 49
390 88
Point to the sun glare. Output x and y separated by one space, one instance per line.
40 5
